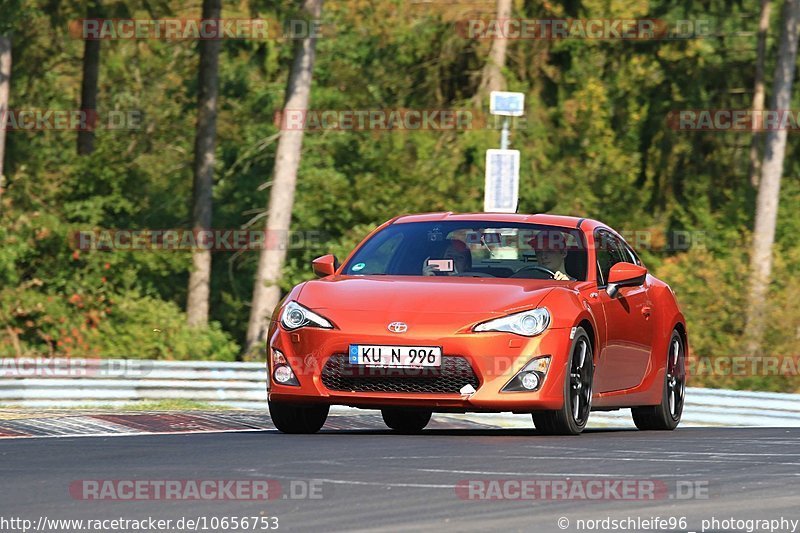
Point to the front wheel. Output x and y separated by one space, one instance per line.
667 415
298 418
572 418
406 420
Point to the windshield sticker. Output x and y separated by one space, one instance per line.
358 266
436 234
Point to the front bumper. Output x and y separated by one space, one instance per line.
494 358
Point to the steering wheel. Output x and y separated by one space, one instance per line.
535 267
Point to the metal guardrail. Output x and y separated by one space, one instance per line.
721 407
69 383
80 382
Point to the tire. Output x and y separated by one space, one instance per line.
296 418
406 420
571 419
667 415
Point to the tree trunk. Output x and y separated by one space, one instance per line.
267 293
91 72
770 184
492 76
758 93
5 82
197 302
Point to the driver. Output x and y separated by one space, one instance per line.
551 250
457 251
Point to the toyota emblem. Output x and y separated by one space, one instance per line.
397 327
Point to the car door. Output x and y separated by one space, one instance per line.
629 328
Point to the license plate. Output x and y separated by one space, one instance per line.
395 356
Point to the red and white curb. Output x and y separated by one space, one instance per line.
109 424
128 424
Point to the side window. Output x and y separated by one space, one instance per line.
629 252
610 251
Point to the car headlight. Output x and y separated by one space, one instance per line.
528 323
296 316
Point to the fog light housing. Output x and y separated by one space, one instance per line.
530 381
282 373
530 378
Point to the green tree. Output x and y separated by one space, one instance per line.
204 158
266 291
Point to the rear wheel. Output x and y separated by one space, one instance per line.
298 418
667 415
406 420
572 418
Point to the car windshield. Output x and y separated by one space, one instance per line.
473 249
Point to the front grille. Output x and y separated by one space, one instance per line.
455 372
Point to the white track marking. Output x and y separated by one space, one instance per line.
548 474
374 483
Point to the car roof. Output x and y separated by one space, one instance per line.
585 224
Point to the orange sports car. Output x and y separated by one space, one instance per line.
549 315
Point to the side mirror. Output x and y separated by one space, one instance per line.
624 275
325 265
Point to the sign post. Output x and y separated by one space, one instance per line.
501 193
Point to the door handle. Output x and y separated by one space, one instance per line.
646 311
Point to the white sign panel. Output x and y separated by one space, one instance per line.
502 181
507 104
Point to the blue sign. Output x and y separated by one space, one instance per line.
507 104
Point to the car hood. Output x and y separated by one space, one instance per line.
390 294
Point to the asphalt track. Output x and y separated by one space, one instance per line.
375 480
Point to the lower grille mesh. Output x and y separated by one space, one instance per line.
339 375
